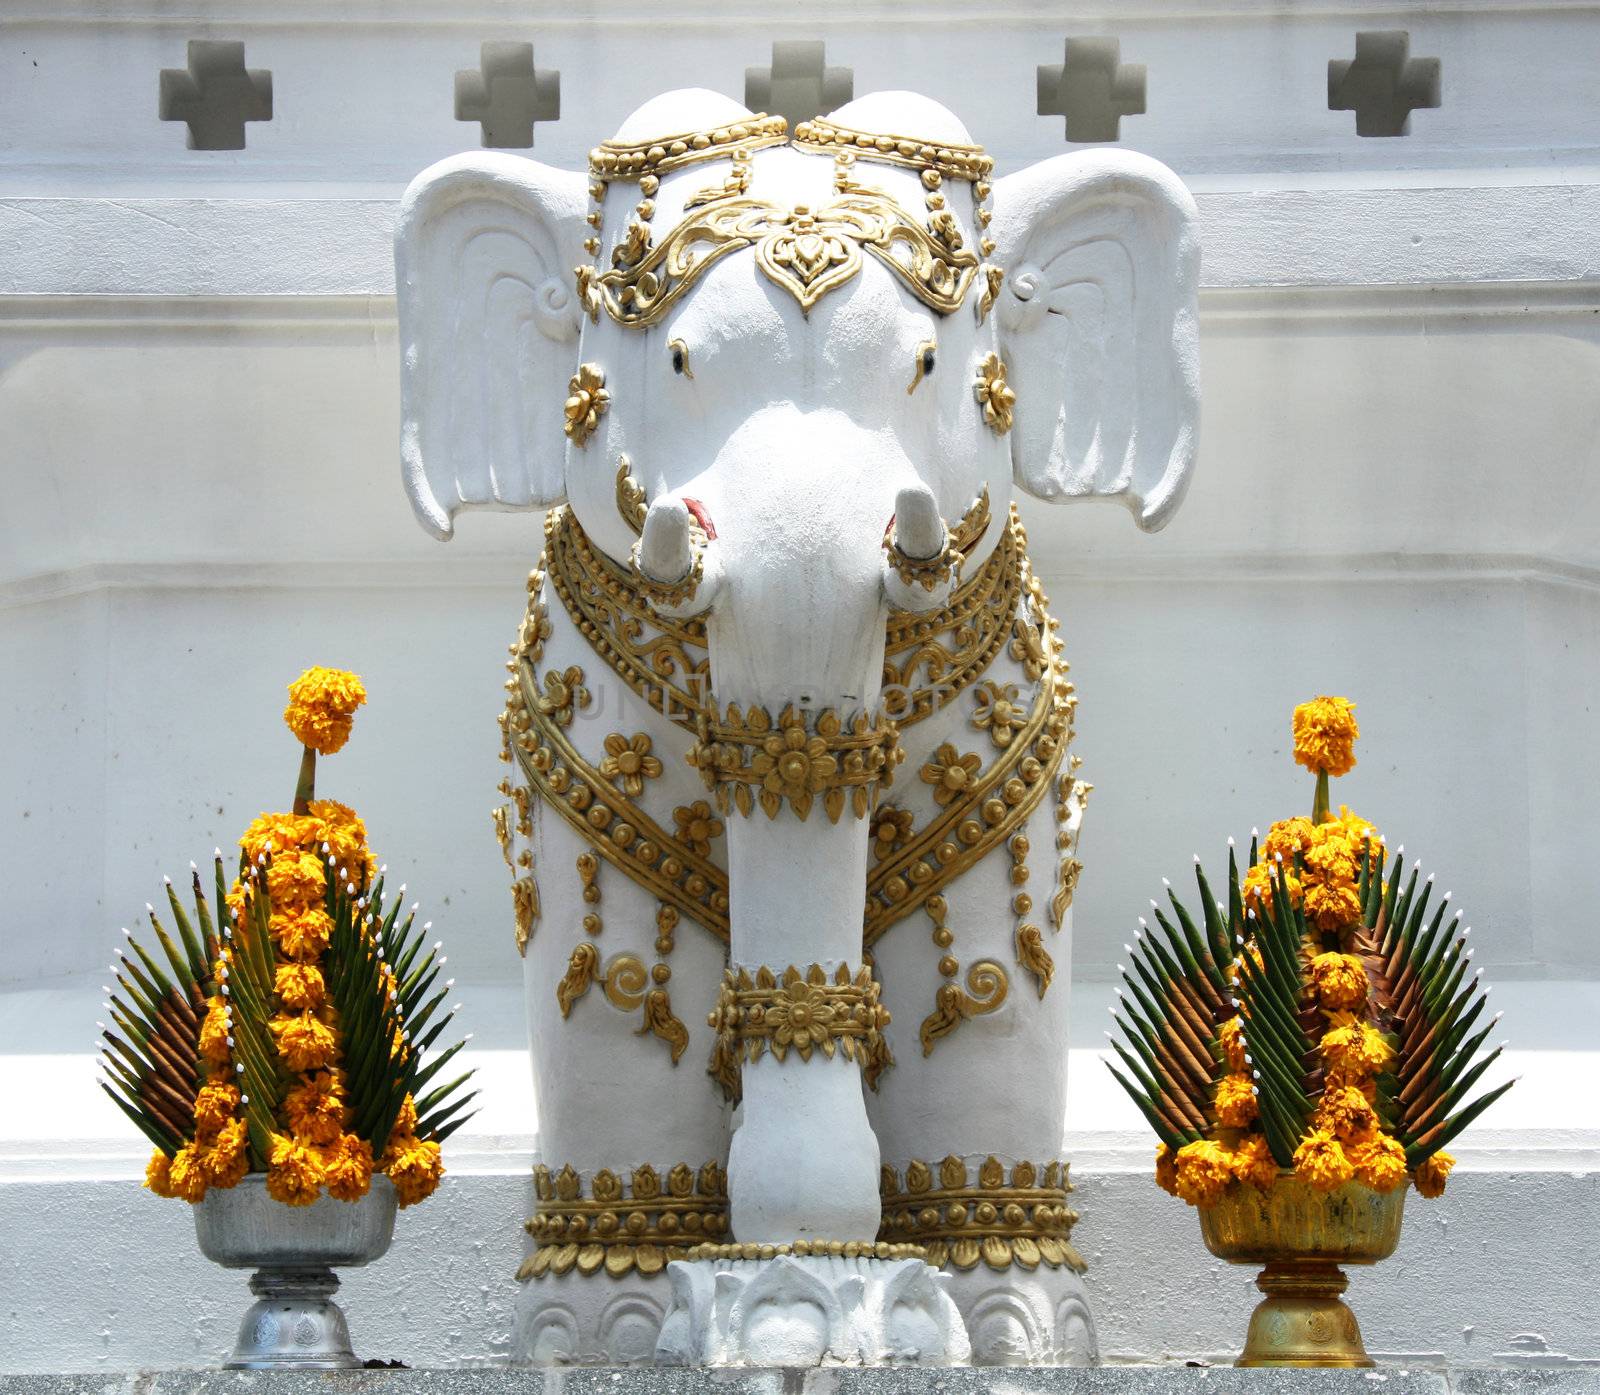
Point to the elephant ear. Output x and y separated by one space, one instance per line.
1098 329
489 317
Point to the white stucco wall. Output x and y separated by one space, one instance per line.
1396 500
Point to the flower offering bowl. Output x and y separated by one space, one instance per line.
294 1324
1301 1236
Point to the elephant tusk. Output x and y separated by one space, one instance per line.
921 563
672 563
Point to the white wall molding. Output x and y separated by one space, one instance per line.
1332 236
502 573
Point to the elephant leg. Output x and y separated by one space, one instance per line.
971 1120
632 1133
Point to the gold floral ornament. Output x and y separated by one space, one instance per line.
950 773
891 827
628 761
800 1012
992 1219
563 692
619 1227
587 401
751 758
998 712
697 825
994 394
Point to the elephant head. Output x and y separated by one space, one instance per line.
786 380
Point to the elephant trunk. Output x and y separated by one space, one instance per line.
796 635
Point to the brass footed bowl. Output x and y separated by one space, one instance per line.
1302 1236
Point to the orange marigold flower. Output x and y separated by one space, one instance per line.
1166 1169
1338 980
1379 1163
314 1110
300 987
406 1121
1204 1171
227 1160
1231 1039
1236 1101
213 1107
214 1031
1358 833
322 707
347 1168
158 1174
1259 882
303 1042
1345 1112
272 834
295 880
1321 1161
295 1174
302 935
413 1166
1252 1162
346 837
1286 838
1325 733
1353 1050
185 1175
1332 905
1432 1173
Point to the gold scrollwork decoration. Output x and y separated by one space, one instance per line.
1023 1219
800 1011
806 251
987 987
928 659
581 967
614 827
525 903
617 1227
625 982
751 758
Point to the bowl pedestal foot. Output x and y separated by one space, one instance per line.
294 1324
1303 1321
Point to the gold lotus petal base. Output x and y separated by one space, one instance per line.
1302 1321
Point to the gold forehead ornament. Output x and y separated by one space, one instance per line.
808 251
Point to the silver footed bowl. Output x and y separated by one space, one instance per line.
294 1324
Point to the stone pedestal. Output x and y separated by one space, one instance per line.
810 1310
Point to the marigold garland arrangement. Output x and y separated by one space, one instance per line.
1321 1024
289 1030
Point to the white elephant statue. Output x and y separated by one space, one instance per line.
789 795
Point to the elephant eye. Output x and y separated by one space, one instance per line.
924 363
680 358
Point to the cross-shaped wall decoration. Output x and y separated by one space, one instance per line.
1382 85
215 95
1092 89
798 85
506 95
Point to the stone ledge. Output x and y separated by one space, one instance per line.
1103 1380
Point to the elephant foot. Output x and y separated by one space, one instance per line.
1017 1317
810 1310
578 1319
